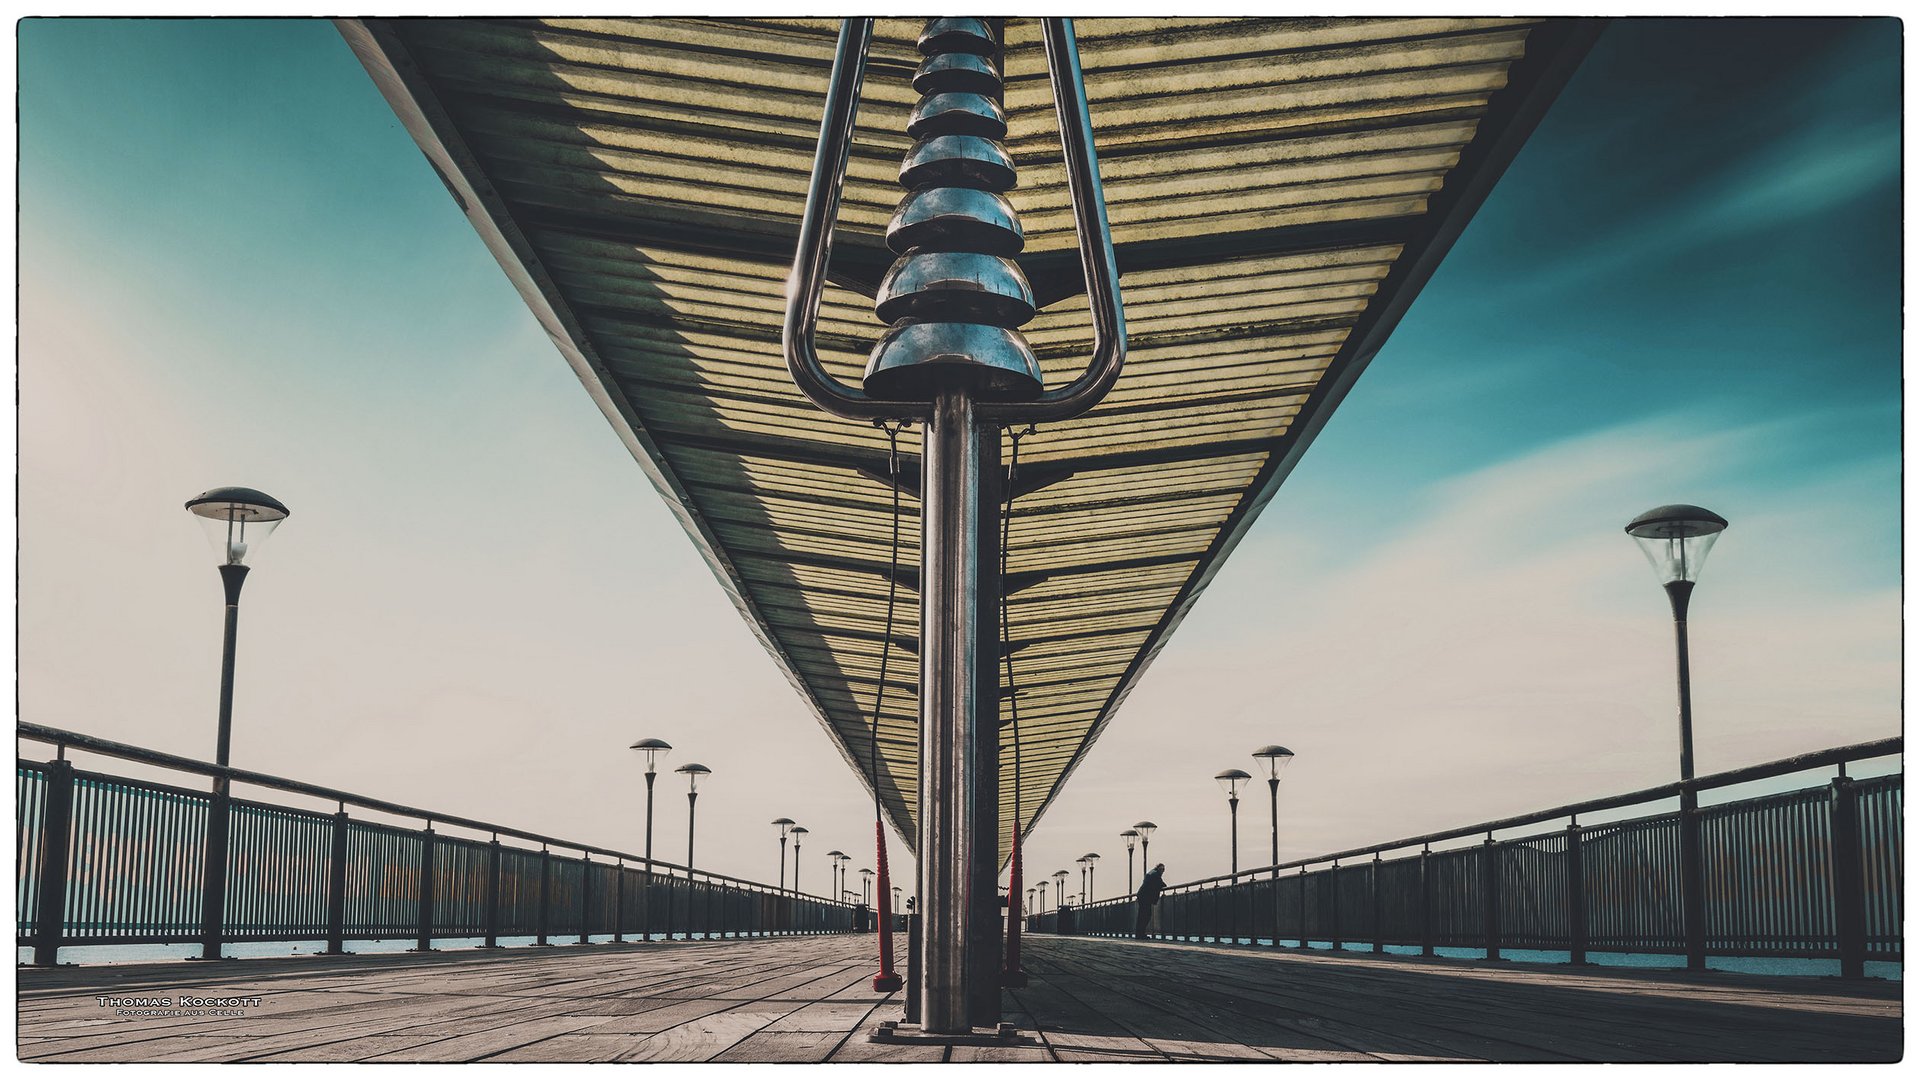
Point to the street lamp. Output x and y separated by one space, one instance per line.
1277 759
1086 887
654 749
1145 829
1059 888
835 880
786 826
1042 909
1130 836
237 520
1230 781
1081 862
1676 540
866 886
796 832
694 772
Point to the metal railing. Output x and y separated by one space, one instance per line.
108 860
1812 873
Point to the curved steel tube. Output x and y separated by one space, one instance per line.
1096 245
808 277
809 274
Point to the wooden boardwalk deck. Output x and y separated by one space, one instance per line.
809 999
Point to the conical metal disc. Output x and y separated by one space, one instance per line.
913 361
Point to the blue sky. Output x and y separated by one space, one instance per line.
237 268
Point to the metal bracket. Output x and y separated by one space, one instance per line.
900 1033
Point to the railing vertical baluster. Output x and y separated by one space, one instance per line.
1490 895
1576 896
56 841
337 885
546 878
493 894
1426 901
586 890
1849 879
424 920
1373 885
1303 906
619 899
1333 906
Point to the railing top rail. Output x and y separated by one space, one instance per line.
126 751
1799 763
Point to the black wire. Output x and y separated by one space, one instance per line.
1006 625
893 590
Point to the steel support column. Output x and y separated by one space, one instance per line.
950 529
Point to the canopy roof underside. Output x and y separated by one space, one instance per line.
1279 190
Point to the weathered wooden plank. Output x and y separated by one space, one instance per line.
811 999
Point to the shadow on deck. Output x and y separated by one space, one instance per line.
810 999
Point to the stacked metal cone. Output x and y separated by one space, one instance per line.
954 298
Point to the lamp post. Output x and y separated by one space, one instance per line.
834 880
866 886
237 520
1081 862
1230 781
1059 889
1130 836
1277 759
1086 887
786 826
796 832
654 749
1042 909
694 771
1676 540
1145 829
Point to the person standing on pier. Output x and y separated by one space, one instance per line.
1147 897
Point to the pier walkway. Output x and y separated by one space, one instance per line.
809 999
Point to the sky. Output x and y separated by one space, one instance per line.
236 268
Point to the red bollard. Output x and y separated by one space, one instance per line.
887 980
1012 975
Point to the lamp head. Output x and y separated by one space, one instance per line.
1145 829
1676 539
1091 857
694 771
237 520
655 749
1230 781
1130 836
1277 759
797 832
786 826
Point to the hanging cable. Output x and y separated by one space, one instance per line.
1006 625
893 593
886 979
1011 974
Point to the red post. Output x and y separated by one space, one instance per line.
887 980
1012 975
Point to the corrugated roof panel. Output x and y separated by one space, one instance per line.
1277 188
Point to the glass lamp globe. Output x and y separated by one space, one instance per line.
1676 539
237 520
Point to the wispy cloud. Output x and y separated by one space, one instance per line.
1504 647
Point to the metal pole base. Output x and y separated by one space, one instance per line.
888 983
904 1034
